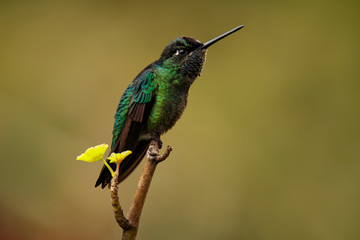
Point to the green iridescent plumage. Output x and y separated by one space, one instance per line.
139 91
155 100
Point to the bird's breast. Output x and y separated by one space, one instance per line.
168 107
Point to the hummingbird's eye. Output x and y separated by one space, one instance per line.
181 52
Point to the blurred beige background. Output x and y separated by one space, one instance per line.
268 147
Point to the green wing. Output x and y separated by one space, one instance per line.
133 104
130 119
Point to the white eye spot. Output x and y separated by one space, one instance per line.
181 52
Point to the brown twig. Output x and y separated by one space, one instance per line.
119 213
130 224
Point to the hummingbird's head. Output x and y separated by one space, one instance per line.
186 56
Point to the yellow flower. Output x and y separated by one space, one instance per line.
93 154
118 157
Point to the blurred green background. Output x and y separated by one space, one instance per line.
268 147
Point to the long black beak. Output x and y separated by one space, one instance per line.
212 41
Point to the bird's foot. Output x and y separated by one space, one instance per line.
158 140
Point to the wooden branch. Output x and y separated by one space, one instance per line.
130 224
119 213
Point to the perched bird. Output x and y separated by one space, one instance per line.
155 100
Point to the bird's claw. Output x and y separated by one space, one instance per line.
159 142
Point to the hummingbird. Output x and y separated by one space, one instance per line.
155 100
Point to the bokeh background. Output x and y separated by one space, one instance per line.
268 147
